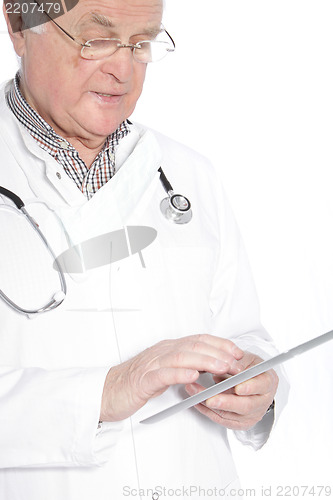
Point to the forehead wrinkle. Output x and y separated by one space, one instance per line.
96 18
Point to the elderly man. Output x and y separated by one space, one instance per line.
77 379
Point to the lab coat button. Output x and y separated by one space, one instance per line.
58 175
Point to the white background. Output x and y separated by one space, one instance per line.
250 86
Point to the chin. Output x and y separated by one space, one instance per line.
103 129
105 125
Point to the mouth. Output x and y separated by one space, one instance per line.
106 95
107 98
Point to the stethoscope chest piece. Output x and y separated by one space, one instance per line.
176 208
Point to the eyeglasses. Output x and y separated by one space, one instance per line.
145 51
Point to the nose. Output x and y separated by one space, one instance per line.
120 64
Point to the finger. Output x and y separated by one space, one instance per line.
196 361
157 381
195 388
240 405
219 343
228 420
222 377
224 354
214 416
261 384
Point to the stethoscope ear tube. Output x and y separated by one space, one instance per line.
12 196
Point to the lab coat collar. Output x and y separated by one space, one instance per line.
42 172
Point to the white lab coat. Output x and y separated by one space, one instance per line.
196 279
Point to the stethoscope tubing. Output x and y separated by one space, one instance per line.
53 303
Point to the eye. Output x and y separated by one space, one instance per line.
91 35
139 38
145 37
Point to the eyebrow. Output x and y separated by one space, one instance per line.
101 20
104 21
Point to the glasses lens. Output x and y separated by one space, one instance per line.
100 48
144 52
153 51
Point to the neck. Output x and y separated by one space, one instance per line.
87 152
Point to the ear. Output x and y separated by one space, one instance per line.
14 25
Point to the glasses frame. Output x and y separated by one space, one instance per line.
120 45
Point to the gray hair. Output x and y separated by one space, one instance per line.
38 30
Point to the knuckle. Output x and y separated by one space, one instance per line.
228 344
179 358
162 344
196 346
202 338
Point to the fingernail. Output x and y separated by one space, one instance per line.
241 390
214 402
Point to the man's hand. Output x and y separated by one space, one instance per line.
243 406
131 384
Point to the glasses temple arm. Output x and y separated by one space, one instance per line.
173 43
62 29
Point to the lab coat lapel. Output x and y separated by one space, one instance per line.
134 177
120 197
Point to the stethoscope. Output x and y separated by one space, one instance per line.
60 295
176 208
